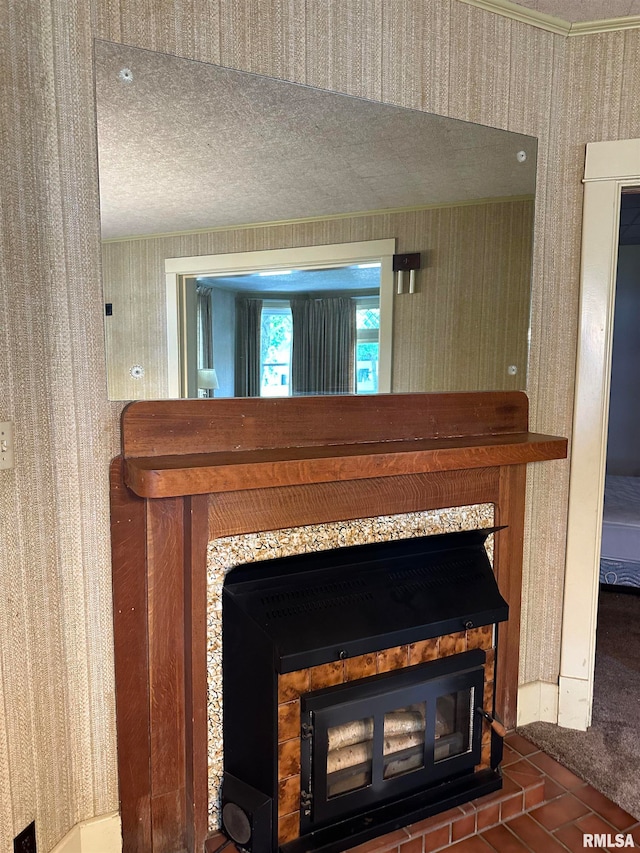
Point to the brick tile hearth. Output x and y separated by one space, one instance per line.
542 808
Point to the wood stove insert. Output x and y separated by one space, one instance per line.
376 752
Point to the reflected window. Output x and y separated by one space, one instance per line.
367 344
318 334
276 330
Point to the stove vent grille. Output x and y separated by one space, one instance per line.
314 608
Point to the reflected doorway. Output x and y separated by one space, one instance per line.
283 322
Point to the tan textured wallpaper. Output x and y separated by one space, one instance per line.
466 322
57 737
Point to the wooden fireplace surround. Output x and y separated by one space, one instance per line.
192 471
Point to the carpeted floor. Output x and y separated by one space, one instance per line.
608 754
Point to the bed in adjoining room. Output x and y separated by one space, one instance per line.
620 552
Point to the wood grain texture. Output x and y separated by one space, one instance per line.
262 469
196 526
159 580
165 574
166 631
128 536
168 822
234 513
510 509
173 427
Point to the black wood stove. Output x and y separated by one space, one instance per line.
321 756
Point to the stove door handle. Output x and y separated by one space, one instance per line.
495 724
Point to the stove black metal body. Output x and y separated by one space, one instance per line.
375 753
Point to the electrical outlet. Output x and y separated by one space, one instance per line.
25 842
6 445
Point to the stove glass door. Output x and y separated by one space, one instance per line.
373 740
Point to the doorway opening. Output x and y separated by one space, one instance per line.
598 735
610 167
620 549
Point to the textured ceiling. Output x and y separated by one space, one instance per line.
575 11
185 145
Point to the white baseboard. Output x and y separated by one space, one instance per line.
97 835
575 703
537 702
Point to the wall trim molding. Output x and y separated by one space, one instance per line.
608 25
526 16
537 702
102 834
278 223
575 699
552 24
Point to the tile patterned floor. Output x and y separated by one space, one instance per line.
570 809
542 808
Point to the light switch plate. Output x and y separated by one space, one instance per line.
6 445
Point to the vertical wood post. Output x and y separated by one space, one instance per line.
508 568
166 608
128 543
196 511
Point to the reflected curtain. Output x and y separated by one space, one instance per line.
205 327
323 348
247 361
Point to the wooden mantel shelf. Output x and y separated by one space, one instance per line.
195 447
197 474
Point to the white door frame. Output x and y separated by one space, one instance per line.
609 167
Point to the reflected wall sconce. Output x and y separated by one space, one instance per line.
208 380
406 263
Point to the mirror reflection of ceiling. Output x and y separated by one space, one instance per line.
355 278
186 146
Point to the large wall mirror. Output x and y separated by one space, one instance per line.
249 227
